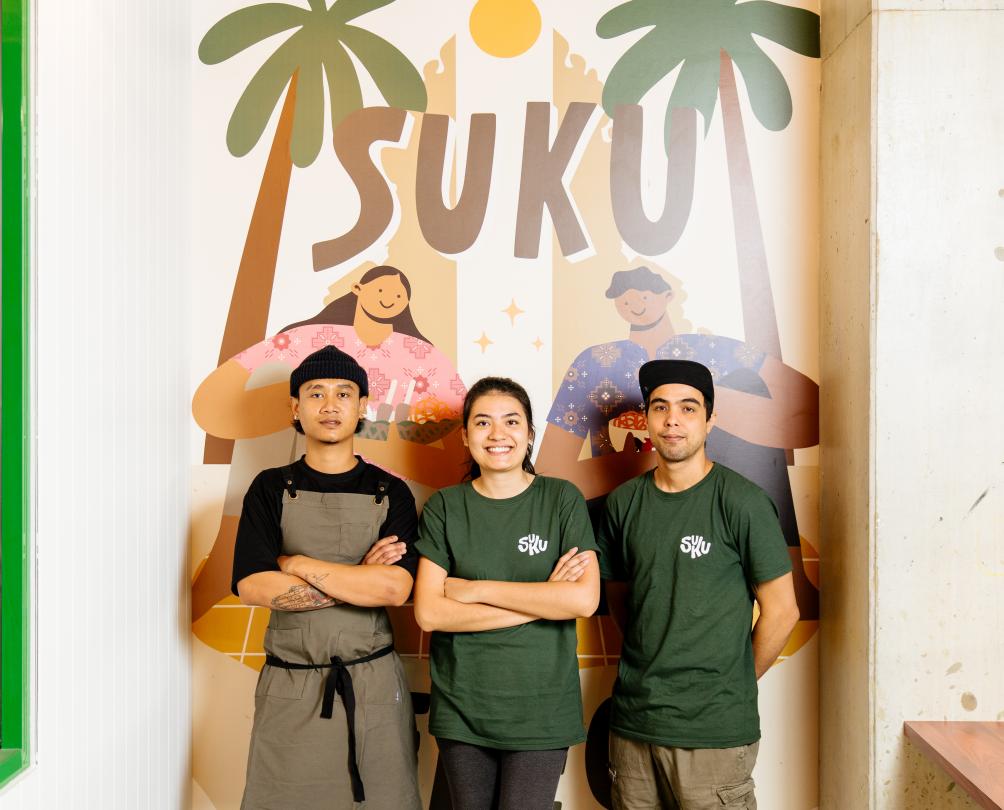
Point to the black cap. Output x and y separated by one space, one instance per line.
328 363
660 372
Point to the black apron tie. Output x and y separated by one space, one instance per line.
340 681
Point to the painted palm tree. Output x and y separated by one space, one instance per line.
705 38
319 45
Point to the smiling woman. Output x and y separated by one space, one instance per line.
508 565
14 680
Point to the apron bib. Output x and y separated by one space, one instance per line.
323 665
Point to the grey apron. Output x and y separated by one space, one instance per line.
324 665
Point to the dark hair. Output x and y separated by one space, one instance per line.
509 388
343 310
640 278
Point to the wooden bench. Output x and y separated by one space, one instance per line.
971 752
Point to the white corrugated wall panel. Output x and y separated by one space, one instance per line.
112 691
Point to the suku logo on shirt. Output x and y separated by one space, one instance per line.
532 544
694 545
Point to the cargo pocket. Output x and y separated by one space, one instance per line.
739 797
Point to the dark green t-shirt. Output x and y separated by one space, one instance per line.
515 688
686 675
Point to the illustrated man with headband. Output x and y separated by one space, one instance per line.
686 548
333 718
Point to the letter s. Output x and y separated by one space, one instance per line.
353 139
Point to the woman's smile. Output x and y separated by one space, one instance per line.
497 433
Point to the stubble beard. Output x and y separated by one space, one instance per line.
679 454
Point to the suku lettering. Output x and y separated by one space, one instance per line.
532 544
547 166
694 545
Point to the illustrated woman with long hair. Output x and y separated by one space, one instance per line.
508 564
415 399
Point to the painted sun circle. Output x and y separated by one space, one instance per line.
505 28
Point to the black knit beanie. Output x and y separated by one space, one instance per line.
328 363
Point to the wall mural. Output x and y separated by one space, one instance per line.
566 190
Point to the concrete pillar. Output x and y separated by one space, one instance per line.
912 448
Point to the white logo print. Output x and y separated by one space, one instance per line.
532 544
694 545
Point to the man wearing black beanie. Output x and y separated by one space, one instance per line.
333 717
695 542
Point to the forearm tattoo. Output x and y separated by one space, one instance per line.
316 579
303 597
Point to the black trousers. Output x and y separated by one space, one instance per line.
493 779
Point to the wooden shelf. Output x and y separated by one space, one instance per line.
971 752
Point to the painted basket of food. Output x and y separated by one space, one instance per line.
630 424
375 429
426 421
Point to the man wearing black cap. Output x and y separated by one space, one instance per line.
695 543
333 718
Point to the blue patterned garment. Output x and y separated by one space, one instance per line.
602 382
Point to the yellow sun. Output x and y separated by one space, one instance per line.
505 28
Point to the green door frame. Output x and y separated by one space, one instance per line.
15 441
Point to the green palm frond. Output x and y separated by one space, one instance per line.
344 93
627 17
795 28
345 10
641 67
316 50
395 77
254 108
697 87
769 95
695 32
246 27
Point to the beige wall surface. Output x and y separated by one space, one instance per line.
939 443
912 598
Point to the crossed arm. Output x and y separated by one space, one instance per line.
305 583
460 605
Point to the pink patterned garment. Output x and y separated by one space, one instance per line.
409 379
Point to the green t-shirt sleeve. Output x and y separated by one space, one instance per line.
608 538
762 548
576 530
432 532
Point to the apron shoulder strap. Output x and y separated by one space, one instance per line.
289 481
376 481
